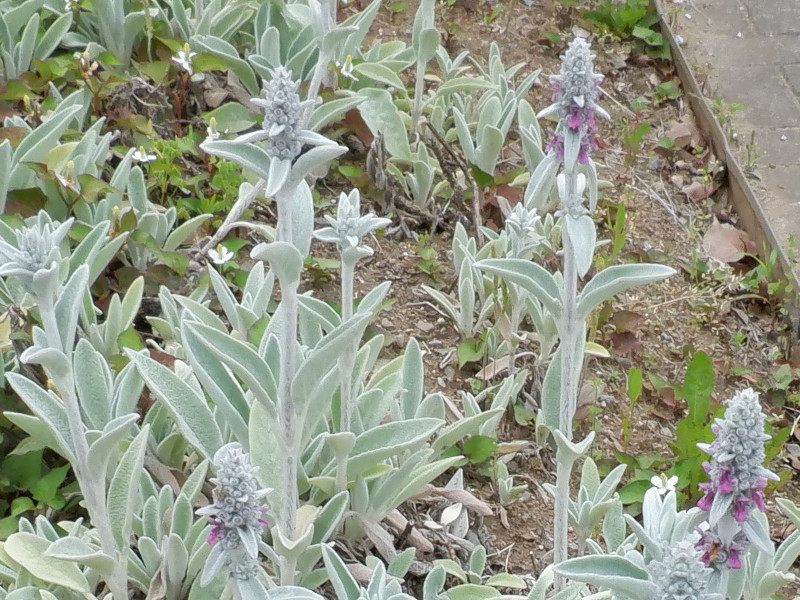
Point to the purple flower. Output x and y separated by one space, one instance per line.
716 553
236 514
574 95
736 475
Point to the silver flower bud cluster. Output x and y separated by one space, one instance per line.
736 474
521 225
680 575
36 249
349 225
283 115
237 514
577 81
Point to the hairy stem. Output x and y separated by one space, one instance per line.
569 376
93 486
348 356
288 367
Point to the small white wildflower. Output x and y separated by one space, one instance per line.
212 133
346 69
220 255
184 59
664 485
141 156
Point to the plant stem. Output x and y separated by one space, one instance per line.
288 368
316 83
419 87
348 356
93 486
569 375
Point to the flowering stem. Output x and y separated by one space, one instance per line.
286 410
348 356
570 371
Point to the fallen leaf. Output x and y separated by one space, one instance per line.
513 195
626 320
625 343
726 243
587 398
684 134
494 368
697 191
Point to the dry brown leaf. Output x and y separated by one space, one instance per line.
726 243
382 539
587 398
626 320
360 573
697 191
684 134
494 368
470 502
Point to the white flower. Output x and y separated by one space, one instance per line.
220 255
70 5
141 155
664 485
346 69
184 59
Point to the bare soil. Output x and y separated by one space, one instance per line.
746 337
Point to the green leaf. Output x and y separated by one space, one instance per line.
615 279
189 410
380 114
698 385
330 111
387 440
379 73
46 489
634 384
609 572
124 494
469 351
532 277
471 591
29 550
231 116
250 156
93 384
478 448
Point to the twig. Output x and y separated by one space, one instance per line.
477 194
628 112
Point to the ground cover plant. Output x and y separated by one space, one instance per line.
177 178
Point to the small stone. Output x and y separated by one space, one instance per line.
387 323
688 16
783 138
679 40
739 35
424 326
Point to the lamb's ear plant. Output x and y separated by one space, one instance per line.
720 549
80 421
575 107
20 43
347 231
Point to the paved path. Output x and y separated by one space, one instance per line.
750 50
